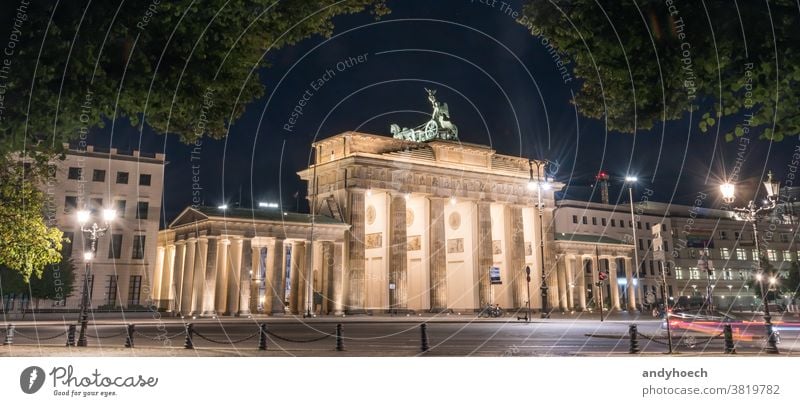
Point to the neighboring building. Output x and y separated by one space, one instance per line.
132 184
683 234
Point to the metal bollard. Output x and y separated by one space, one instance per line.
71 335
633 332
9 335
188 344
729 347
129 338
262 337
423 329
339 339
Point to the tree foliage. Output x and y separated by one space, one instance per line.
27 242
733 65
184 67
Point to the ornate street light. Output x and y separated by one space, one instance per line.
540 183
752 213
93 233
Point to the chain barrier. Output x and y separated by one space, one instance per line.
16 332
300 341
109 336
197 333
691 340
159 337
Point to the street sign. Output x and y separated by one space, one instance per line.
528 273
494 276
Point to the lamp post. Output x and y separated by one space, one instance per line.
630 181
540 185
752 213
93 233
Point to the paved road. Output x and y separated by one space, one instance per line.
391 337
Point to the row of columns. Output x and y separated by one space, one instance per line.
571 274
398 274
210 276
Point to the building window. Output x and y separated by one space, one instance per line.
639 225
663 227
98 175
584 220
669 269
652 267
670 290
122 177
630 223
755 254
741 254
678 272
67 243
119 206
134 290
784 237
115 246
144 179
728 275
641 244
96 205
649 244
724 253
736 235
666 245
74 173
772 255
141 210
723 235
111 290
575 219
647 226
594 221
138 247
787 255
603 220
70 203
613 223
694 273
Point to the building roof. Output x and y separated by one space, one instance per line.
196 213
587 238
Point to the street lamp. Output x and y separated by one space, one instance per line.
752 213
93 233
541 183
630 181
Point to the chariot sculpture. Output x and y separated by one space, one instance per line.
438 127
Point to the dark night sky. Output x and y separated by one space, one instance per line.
503 90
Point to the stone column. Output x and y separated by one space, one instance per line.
244 277
328 277
581 276
177 276
485 257
630 288
157 276
355 236
234 278
516 256
297 276
562 283
187 285
275 278
199 281
398 246
612 276
255 278
221 284
438 255
210 285
595 264
338 279
306 278
167 278
570 273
